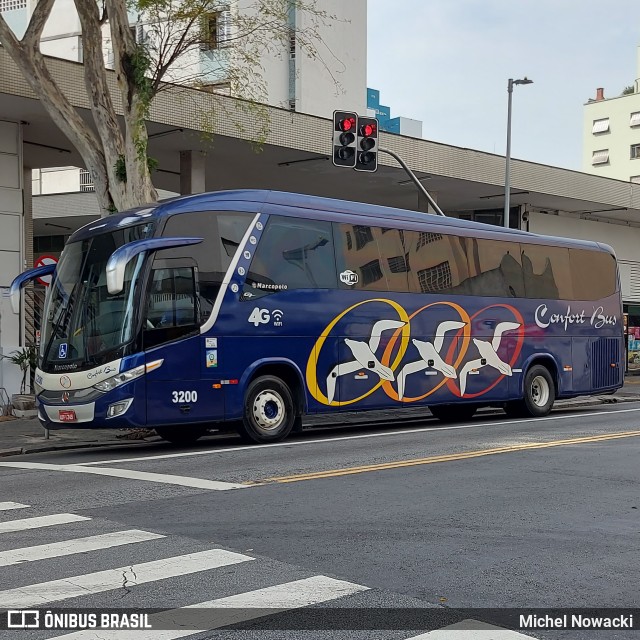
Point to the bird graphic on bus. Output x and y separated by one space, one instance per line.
364 354
430 356
488 355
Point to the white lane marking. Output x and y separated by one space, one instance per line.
77 545
40 521
34 595
336 440
471 630
144 476
239 608
6 506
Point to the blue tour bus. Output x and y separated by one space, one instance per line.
257 307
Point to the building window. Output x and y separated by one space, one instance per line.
216 30
86 183
435 278
635 151
600 157
427 238
363 236
399 264
634 119
600 126
371 272
292 45
12 5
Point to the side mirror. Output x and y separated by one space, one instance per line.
120 257
24 278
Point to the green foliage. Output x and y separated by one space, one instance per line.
121 166
27 359
628 90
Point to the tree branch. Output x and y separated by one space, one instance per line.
39 18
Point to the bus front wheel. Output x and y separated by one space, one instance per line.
269 413
453 412
539 395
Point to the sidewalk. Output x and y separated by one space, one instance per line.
21 436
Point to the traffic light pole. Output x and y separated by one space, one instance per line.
417 182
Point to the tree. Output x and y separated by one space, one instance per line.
628 90
116 156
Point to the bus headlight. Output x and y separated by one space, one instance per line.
120 379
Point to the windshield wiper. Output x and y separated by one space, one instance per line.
63 316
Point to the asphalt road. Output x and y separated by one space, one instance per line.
385 532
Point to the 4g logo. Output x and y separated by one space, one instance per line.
263 316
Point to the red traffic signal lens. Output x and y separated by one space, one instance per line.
367 130
347 124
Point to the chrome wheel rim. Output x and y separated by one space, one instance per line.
268 410
540 391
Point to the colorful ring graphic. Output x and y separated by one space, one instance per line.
453 387
466 333
312 363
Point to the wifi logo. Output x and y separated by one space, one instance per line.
277 316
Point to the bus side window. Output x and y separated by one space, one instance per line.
547 272
292 254
438 262
494 268
375 255
172 308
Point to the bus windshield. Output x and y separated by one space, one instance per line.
83 323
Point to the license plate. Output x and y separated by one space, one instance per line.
67 415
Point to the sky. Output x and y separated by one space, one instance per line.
448 62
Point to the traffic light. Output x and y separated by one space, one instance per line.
344 138
367 145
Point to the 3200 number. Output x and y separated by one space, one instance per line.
184 396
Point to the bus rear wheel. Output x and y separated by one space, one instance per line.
181 435
453 412
539 395
269 413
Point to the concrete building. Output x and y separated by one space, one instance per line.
401 125
611 134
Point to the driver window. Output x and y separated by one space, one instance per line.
172 309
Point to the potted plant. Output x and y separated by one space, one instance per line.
26 358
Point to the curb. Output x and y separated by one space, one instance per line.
10 452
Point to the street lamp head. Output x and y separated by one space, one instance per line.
524 80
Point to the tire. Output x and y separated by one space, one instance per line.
269 413
181 435
453 412
539 395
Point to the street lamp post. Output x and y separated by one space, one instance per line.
507 184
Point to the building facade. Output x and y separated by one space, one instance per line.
401 125
611 134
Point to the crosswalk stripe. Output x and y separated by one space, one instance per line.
77 545
6 506
122 578
131 474
40 521
239 608
471 630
